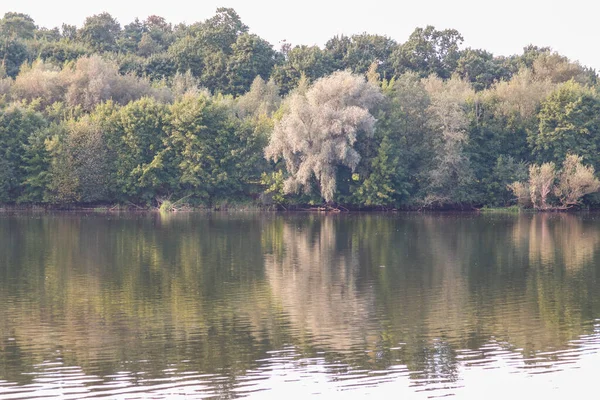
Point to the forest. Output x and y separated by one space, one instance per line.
208 114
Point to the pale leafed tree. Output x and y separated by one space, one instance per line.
5 86
39 81
575 181
318 131
521 191
186 83
523 93
451 174
541 183
558 69
261 100
92 80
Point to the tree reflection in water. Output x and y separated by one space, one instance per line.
219 295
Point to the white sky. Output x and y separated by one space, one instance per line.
502 27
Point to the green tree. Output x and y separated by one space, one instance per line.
130 36
451 178
311 62
569 122
480 68
387 184
17 25
251 57
428 51
392 174
137 137
62 51
222 30
101 32
358 52
17 126
35 165
15 28
212 153
81 163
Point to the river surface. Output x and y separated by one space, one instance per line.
261 306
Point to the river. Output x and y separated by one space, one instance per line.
272 305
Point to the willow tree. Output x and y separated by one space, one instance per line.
319 129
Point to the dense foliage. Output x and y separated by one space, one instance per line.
211 113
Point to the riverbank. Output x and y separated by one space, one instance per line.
245 207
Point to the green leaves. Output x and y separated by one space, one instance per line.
569 122
18 128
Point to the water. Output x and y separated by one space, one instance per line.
271 305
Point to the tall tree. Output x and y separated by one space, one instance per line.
14 29
429 51
17 125
137 136
569 122
100 31
318 133
480 68
450 180
311 62
251 57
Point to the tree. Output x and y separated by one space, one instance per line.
207 50
137 133
17 125
17 25
148 46
158 67
401 145
211 154
159 30
41 81
130 36
480 68
541 182
92 80
187 54
35 165
558 69
428 51
100 32
569 122
360 51
14 29
222 30
337 47
68 32
261 100
311 62
251 57
387 183
575 181
62 51
450 180
318 132
523 94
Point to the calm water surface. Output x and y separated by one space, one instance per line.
271 306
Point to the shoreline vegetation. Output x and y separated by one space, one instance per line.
154 116
250 207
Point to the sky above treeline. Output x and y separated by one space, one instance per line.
502 28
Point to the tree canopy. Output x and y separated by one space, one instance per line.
138 112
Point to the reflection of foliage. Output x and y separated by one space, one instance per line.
363 292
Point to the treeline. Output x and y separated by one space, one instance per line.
209 113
